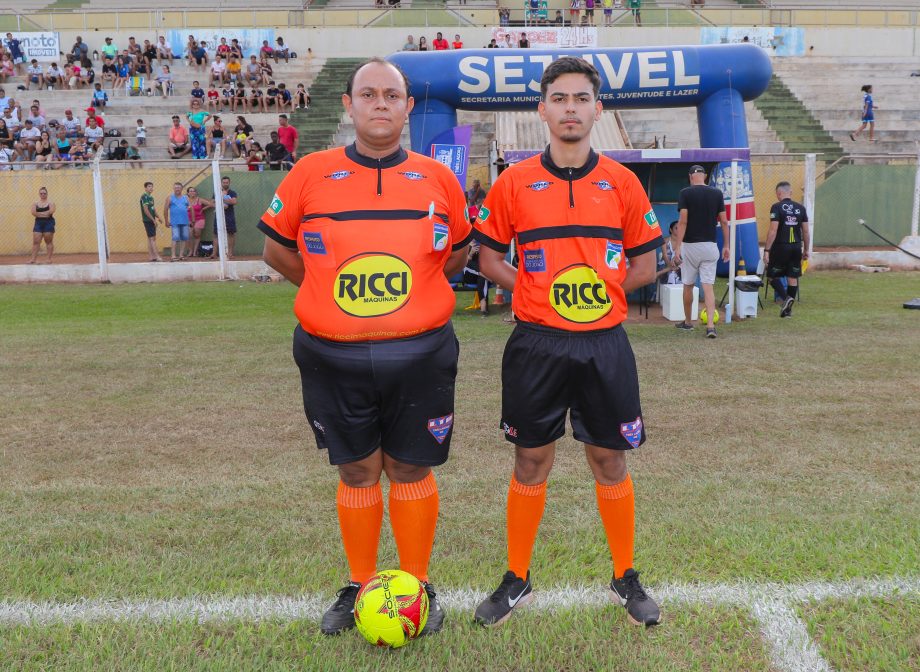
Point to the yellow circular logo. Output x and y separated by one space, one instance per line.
372 284
578 295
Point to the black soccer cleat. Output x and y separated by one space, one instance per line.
513 592
787 307
684 326
711 333
341 615
640 608
435 614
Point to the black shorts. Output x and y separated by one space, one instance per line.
785 261
548 372
150 228
397 395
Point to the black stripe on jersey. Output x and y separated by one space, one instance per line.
490 242
645 247
569 231
385 215
463 243
274 235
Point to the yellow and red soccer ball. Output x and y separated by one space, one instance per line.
391 608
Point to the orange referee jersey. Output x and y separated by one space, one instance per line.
374 235
575 228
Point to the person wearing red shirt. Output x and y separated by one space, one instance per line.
370 233
457 44
586 237
439 43
288 136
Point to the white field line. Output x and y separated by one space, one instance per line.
771 604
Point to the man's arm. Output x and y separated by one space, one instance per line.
150 214
771 236
492 264
455 262
679 232
806 238
166 211
285 260
296 140
641 271
723 222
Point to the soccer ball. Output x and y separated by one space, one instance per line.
715 316
391 608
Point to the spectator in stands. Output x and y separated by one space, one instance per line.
140 133
235 49
234 70
867 115
504 17
80 50
134 49
255 160
200 56
288 136
217 137
164 50
109 71
164 81
35 75
284 98
91 113
242 137
190 46
149 53
253 71
277 154
43 149
240 100
28 137
226 97
197 93
301 98
109 50
218 70
457 43
150 219
281 50
123 71
410 44
43 211
635 6
55 76
6 136
439 43
271 94
178 145
176 217
7 68
223 49
257 100
213 98
62 145
93 133
265 71
196 207
523 42
124 152
73 74
422 43
265 51
100 98
4 99
36 116
476 193
229 200
78 152
198 118
608 12
492 44
15 48
71 124
589 11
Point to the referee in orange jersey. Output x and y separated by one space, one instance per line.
370 233
586 236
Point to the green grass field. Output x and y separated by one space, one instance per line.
154 447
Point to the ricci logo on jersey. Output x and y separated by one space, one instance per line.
579 295
371 285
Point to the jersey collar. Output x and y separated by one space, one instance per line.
394 159
563 173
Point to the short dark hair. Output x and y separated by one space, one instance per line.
783 185
376 59
569 65
282 116
148 184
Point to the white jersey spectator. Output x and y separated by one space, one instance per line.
71 124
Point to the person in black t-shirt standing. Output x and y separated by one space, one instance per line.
695 248
787 246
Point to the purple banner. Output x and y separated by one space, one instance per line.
452 148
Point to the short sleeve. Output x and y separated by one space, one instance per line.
458 219
494 227
641 232
721 201
774 213
281 221
682 200
804 215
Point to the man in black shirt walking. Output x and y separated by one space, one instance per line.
787 246
695 248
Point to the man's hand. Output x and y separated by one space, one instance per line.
677 260
725 253
805 254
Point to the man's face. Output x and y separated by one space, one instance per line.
148 188
69 114
282 122
177 189
225 183
92 122
175 123
570 109
378 105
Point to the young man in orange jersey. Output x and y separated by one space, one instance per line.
577 218
370 233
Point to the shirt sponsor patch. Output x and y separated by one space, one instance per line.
650 218
440 427
542 185
614 255
314 242
603 185
441 233
339 175
276 206
632 431
534 261
484 213
412 175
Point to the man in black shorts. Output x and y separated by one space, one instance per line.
229 199
786 246
150 218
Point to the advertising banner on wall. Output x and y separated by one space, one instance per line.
452 148
566 37
250 39
779 41
42 46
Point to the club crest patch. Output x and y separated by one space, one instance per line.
632 431
614 255
314 242
534 261
441 234
440 427
411 175
339 175
603 185
651 218
542 185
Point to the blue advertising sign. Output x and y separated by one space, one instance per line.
452 148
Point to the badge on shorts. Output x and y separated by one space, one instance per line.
534 261
614 255
651 218
441 233
632 431
440 427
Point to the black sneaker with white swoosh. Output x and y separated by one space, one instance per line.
513 592
628 592
435 614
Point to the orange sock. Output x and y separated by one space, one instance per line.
525 511
618 512
414 517
360 518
